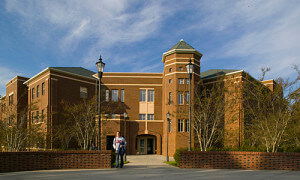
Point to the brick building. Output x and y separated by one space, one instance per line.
145 97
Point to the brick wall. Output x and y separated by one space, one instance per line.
240 160
26 161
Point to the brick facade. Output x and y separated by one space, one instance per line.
29 161
240 160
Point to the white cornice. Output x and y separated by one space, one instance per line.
194 51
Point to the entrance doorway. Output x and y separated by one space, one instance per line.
146 144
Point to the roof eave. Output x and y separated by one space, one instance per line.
194 51
26 82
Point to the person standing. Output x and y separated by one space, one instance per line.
119 145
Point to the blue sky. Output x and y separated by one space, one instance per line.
132 35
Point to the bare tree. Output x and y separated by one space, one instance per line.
269 111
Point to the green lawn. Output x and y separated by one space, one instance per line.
172 163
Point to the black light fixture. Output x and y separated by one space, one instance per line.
100 68
168 130
190 70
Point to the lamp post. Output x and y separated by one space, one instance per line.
168 130
190 70
100 67
125 117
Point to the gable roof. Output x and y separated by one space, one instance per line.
75 70
216 72
181 45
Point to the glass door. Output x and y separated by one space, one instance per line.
142 146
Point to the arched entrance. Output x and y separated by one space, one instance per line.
146 144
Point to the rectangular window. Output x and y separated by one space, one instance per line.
122 95
83 92
150 117
170 126
187 96
43 116
33 93
170 80
107 95
11 99
114 95
37 117
114 116
180 125
150 95
187 81
180 68
32 118
43 88
37 90
187 126
142 95
180 81
180 98
142 116
170 97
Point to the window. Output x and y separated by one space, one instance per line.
83 92
142 95
32 118
170 97
43 117
187 96
142 116
37 117
180 98
170 126
122 95
114 116
187 127
11 99
43 88
180 81
187 81
180 125
33 93
150 117
170 70
106 95
37 90
114 95
180 68
150 95
170 81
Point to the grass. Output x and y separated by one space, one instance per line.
125 162
172 163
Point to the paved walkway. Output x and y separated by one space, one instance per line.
152 167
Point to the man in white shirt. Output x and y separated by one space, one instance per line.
119 145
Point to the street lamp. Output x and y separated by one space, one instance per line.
100 67
125 117
168 130
190 70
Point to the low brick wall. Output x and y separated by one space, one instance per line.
27 161
240 160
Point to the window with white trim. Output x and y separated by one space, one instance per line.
150 117
107 95
150 95
43 88
180 81
37 90
142 95
187 127
187 97
170 98
187 81
114 95
33 93
180 98
142 116
180 125
83 92
43 115
122 95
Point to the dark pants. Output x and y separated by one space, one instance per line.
118 154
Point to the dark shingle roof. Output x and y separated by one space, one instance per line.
215 72
181 45
75 70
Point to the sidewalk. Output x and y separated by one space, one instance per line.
147 161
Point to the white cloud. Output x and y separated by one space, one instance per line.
6 75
